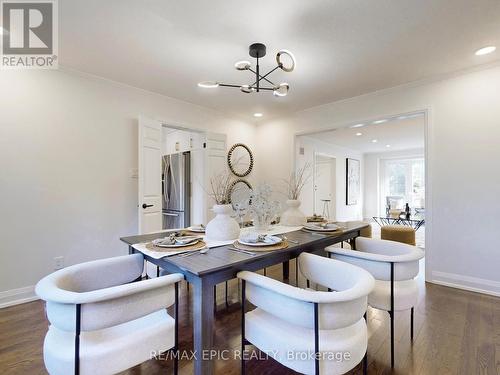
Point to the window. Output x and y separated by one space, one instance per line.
404 178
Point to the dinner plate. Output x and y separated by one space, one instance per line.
317 228
269 241
196 229
158 242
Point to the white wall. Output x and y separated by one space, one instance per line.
372 176
68 143
462 171
343 212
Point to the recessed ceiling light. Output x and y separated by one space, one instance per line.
374 141
258 114
379 121
357 126
485 50
359 134
387 146
208 84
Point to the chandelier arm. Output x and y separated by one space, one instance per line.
264 76
229 85
266 88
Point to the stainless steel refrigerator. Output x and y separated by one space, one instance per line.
176 182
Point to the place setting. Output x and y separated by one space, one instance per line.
177 243
253 243
322 227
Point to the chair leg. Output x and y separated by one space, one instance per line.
176 330
365 358
392 338
243 340
176 364
411 323
316 339
78 310
392 314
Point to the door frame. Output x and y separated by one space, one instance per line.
427 111
186 127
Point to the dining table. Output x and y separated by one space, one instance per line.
222 263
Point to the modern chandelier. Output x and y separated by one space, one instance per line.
284 59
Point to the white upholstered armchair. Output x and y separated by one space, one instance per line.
394 266
290 322
101 322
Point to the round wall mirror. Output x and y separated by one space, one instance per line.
239 192
240 160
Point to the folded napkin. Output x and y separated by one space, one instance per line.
253 238
172 240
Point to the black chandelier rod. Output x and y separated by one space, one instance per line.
239 86
228 85
257 74
259 77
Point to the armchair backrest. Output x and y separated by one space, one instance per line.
100 274
104 290
376 256
341 308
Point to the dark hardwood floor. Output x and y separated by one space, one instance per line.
456 332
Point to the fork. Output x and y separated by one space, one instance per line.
201 251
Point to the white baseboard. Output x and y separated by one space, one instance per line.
17 296
469 283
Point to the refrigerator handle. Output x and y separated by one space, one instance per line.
166 196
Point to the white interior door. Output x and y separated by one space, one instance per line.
215 164
324 184
150 202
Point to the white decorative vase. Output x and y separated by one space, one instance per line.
222 227
293 217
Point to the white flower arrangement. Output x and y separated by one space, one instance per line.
261 207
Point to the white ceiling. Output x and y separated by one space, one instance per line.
343 48
400 134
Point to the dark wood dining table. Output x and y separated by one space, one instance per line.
220 264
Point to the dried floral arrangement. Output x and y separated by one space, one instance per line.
297 180
261 207
220 187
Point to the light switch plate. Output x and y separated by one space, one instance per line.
134 173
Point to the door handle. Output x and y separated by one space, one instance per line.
170 214
147 205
